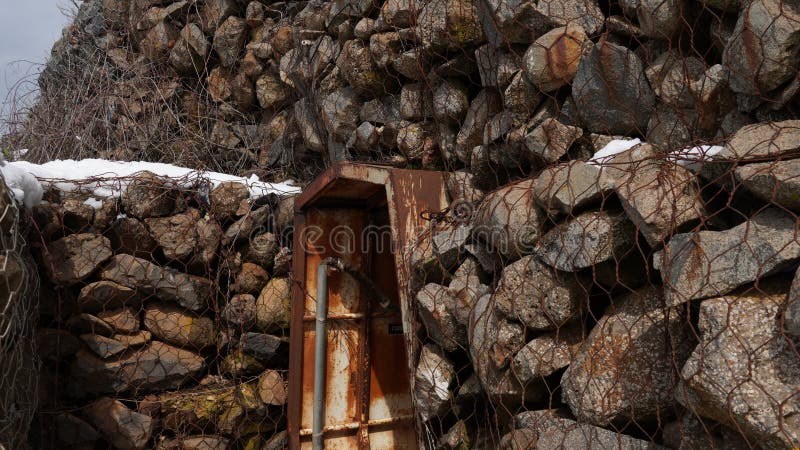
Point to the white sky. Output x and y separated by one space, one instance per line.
28 30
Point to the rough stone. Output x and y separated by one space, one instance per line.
466 288
175 234
485 105
238 364
509 221
171 324
571 187
360 70
611 92
496 67
671 77
547 353
261 250
229 40
436 311
155 367
711 263
189 54
240 311
415 102
75 257
553 58
250 279
204 442
637 343
226 197
158 41
260 345
587 240
106 295
432 383
189 291
124 428
129 235
521 98
102 346
272 305
549 141
660 199
763 51
87 323
661 19
123 320
587 14
775 182
745 373
150 196
449 24
762 141
400 13
537 296
340 113
272 388
271 92
450 102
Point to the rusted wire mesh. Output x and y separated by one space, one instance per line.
163 320
615 268
18 312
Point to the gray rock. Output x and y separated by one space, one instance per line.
171 324
122 427
413 139
496 67
129 235
104 295
189 291
75 257
436 309
589 239
537 296
415 102
123 320
175 234
411 63
745 371
549 141
509 221
458 437
365 138
570 187
439 250
271 92
553 58
188 55
102 346
485 105
672 76
340 113
89 324
493 342
762 141
272 305
155 367
461 188
158 41
689 432
585 13
547 353
385 47
511 21
360 70
450 102
466 288
660 199
661 19
775 182
214 13
710 263
520 99
305 118
763 53
449 24
150 196
272 388
637 343
578 435
400 13
252 222
240 311
226 198
229 40
611 92
791 317
433 378
519 439
262 346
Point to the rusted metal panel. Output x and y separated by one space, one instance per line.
368 396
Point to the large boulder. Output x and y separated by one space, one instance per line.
710 263
175 326
626 368
75 257
611 92
763 50
552 60
660 199
509 220
189 291
156 367
122 427
538 296
745 371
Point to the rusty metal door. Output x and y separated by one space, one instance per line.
367 400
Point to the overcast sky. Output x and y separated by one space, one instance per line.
28 29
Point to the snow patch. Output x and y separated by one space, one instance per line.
612 148
93 202
103 178
693 157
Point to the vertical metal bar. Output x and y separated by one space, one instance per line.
320 354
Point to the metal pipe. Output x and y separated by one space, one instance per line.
320 351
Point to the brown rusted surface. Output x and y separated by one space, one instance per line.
368 397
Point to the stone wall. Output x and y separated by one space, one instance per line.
163 319
566 298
